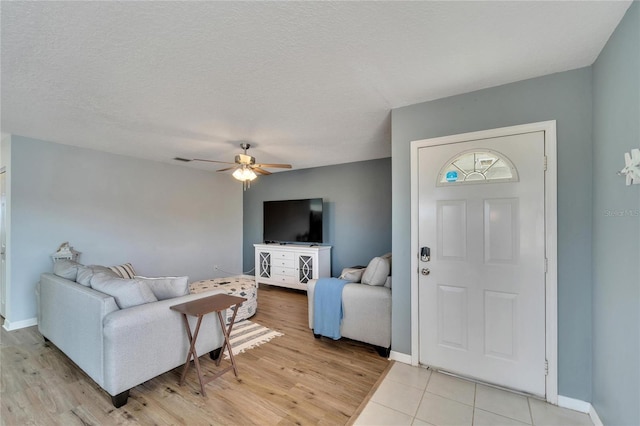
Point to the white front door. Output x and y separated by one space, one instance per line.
481 213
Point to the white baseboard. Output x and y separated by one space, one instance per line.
594 417
574 404
16 325
581 406
400 357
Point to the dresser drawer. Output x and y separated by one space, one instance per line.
283 263
288 272
282 255
285 279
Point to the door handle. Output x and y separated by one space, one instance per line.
425 271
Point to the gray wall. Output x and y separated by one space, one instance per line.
165 219
356 211
565 97
616 239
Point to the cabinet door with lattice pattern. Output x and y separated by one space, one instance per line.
265 265
305 268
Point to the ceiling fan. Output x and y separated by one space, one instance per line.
244 167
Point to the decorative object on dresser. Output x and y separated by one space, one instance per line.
241 285
291 265
366 304
65 251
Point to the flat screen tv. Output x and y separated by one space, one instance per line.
293 221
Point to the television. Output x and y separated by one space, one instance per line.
293 221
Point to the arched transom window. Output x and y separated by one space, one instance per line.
477 166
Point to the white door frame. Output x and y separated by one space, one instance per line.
551 237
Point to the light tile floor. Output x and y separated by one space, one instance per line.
418 396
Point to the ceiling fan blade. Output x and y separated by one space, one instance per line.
277 166
260 171
212 161
225 169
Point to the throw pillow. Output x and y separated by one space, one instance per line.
166 287
388 257
66 268
85 273
353 275
387 283
127 293
377 272
124 271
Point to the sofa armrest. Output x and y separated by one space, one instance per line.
311 286
367 314
144 341
71 315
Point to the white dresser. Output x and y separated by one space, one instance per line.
291 265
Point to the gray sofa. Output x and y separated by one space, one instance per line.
366 312
118 348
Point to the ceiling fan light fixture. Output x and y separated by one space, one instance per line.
244 173
244 167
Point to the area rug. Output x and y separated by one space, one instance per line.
247 335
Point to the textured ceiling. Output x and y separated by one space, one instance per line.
307 83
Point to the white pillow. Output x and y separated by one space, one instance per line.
387 283
353 275
377 272
166 287
85 273
66 268
388 257
127 293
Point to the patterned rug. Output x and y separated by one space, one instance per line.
247 335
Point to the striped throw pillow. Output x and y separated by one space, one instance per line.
124 271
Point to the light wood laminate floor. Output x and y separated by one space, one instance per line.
294 379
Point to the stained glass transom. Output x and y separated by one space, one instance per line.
477 166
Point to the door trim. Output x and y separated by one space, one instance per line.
551 237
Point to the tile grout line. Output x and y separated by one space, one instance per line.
505 415
389 379
530 410
422 396
473 410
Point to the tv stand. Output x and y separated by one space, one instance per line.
291 265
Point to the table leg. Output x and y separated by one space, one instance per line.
192 352
186 363
226 331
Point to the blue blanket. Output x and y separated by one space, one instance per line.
327 307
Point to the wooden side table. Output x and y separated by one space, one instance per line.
199 308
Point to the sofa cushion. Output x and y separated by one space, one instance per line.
166 287
124 271
127 293
353 275
85 273
377 272
66 268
